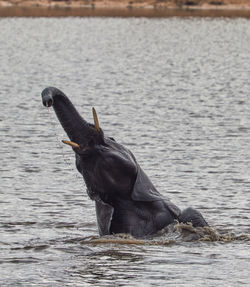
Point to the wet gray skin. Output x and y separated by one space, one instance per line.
126 200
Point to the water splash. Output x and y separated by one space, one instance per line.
207 233
174 234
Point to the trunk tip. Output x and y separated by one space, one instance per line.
48 94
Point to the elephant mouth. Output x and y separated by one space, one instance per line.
83 148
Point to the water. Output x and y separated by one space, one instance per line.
174 91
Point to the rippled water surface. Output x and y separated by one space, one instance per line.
174 91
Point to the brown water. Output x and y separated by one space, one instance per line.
174 91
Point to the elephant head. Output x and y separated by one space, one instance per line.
107 167
125 198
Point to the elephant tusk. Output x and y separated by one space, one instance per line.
97 126
74 145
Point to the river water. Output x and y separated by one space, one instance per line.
176 92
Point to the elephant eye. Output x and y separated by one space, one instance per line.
112 139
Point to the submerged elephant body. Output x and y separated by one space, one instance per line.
126 201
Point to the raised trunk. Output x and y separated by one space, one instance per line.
74 125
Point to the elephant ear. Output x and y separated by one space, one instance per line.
104 213
144 190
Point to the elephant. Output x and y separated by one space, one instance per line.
126 201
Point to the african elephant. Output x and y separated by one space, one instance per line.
126 201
